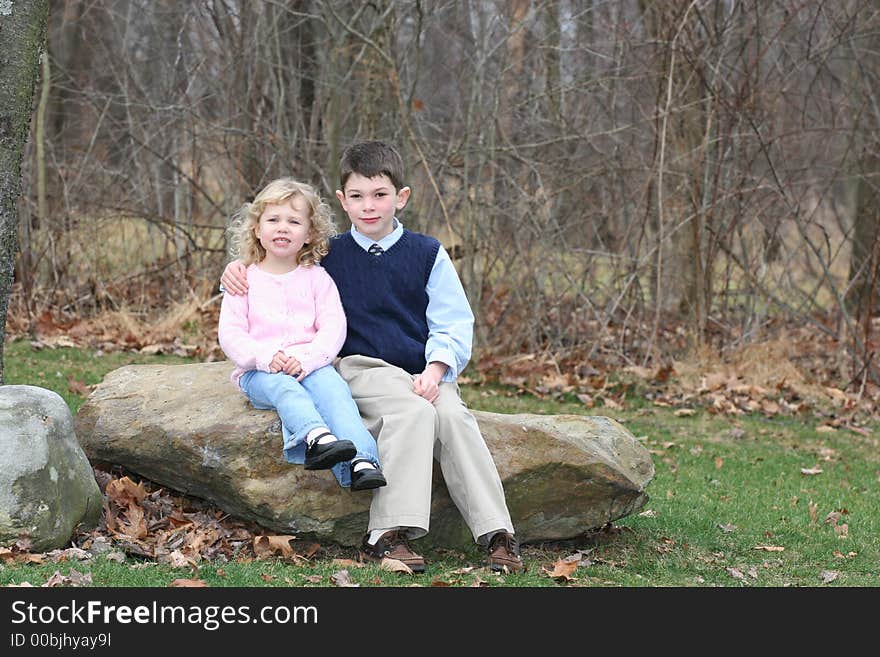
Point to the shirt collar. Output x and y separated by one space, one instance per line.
386 242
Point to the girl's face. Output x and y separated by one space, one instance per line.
284 229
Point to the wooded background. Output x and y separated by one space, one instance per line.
618 180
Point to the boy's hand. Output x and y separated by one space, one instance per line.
427 384
234 278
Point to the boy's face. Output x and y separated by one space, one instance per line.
370 204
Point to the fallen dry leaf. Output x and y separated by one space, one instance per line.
269 546
828 575
735 573
188 583
684 412
726 527
811 471
814 511
712 381
131 522
70 553
177 559
343 579
827 454
310 550
639 371
838 396
842 530
581 557
841 555
648 513
395 566
769 548
75 578
562 570
124 491
348 563
556 382
78 387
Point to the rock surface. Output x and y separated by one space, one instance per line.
186 427
47 486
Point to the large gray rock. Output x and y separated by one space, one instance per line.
187 428
47 486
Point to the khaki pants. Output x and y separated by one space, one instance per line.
410 433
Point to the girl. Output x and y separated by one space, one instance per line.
283 334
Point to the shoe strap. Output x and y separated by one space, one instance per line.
314 441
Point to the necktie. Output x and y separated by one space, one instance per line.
375 249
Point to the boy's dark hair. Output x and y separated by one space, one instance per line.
371 159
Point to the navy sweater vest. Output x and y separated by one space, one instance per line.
384 297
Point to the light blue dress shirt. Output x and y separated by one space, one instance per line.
449 314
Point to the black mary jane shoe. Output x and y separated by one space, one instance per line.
366 478
323 457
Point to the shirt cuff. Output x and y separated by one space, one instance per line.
444 356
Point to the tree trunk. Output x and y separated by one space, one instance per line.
22 36
864 272
865 260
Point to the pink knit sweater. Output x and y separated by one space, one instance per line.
298 313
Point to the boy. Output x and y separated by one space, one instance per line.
410 329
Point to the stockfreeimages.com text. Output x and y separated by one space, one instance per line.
211 617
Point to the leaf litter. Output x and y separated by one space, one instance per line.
144 521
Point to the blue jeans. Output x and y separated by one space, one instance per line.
322 399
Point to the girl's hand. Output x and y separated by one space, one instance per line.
234 278
279 362
294 368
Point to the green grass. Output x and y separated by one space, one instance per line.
716 498
65 369
723 487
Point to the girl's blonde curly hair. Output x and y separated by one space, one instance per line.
243 242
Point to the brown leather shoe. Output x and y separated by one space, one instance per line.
393 545
504 553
